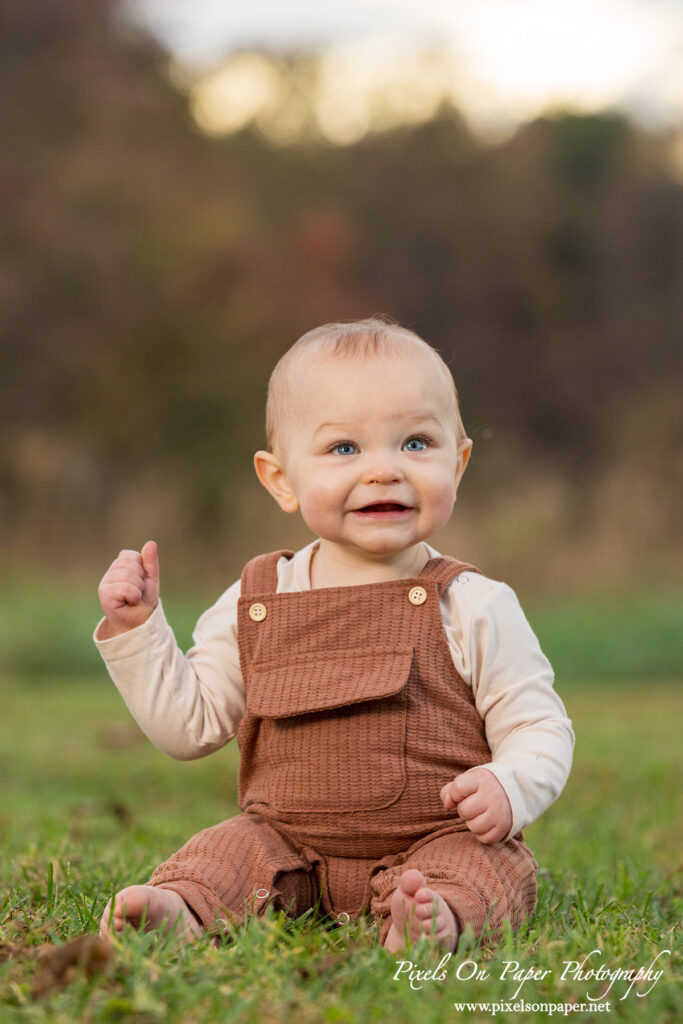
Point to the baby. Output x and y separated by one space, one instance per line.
396 717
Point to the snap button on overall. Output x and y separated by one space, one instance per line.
258 612
418 595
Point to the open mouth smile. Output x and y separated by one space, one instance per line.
383 510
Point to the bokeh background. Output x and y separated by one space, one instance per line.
188 187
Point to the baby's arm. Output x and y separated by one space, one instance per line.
526 725
188 705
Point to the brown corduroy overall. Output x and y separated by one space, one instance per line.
355 718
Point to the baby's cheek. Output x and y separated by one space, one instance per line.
442 506
315 510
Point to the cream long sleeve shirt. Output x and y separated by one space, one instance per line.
190 705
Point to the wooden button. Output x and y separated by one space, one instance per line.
258 612
418 595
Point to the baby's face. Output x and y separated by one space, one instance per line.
370 450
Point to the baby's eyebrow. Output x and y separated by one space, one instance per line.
422 417
349 426
345 426
426 421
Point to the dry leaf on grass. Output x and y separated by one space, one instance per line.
59 965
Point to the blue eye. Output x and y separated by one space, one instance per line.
415 444
344 448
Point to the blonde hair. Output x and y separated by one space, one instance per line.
356 338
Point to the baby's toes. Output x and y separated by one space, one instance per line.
426 895
443 923
105 923
426 910
426 900
120 916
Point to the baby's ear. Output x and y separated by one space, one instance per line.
464 452
271 473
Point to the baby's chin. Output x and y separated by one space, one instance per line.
377 549
387 540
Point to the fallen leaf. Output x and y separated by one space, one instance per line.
59 965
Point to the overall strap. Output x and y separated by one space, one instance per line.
443 570
260 574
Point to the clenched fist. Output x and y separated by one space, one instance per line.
129 590
481 802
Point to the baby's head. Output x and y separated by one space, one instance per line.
364 435
358 342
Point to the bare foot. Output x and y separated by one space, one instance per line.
417 910
159 908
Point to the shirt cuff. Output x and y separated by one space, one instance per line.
150 633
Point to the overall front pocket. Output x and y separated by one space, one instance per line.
334 729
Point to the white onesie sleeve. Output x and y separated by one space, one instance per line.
188 705
497 653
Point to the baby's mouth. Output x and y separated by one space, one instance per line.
379 508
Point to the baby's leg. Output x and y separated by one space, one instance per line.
474 884
222 874
152 907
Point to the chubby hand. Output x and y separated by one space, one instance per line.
129 590
481 802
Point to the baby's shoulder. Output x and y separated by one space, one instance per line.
474 594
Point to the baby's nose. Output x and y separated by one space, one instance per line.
381 472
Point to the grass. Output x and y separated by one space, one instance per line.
89 805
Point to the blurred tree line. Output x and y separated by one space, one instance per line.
150 277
